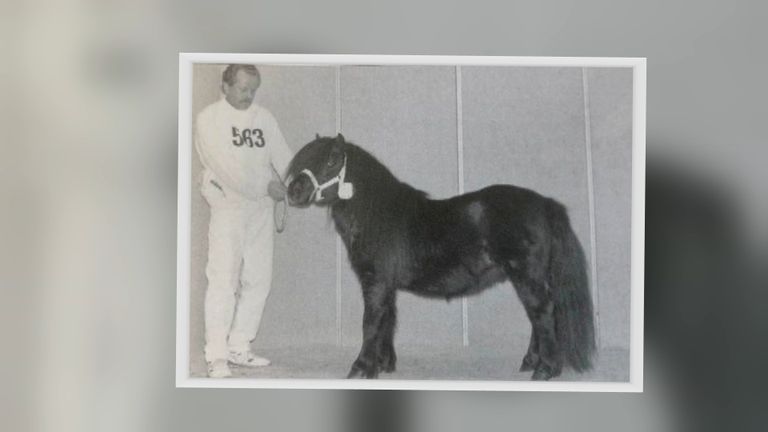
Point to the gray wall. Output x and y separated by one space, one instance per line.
610 106
526 126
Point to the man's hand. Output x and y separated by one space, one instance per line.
276 190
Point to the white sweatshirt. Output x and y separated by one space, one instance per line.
240 147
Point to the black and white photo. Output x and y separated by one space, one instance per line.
410 222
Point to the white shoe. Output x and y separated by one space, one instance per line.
247 359
219 369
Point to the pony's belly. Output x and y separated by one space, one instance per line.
458 282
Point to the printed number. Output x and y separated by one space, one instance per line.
248 136
237 139
259 137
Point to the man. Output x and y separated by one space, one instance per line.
239 144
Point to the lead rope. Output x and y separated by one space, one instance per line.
280 224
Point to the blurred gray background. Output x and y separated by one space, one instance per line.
521 125
88 231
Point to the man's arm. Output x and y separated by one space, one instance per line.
280 157
280 154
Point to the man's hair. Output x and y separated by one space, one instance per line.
231 72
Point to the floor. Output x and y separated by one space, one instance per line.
423 363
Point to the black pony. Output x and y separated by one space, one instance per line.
399 239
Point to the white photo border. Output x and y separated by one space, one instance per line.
186 62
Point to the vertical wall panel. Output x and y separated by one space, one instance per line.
610 97
523 126
406 117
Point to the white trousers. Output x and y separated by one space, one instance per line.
239 269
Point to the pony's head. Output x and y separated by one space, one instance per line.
318 173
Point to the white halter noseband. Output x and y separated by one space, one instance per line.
346 190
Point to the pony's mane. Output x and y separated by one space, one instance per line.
371 178
382 205
307 157
376 187
385 211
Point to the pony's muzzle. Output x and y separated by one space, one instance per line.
300 191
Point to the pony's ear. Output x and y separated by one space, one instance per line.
340 138
317 136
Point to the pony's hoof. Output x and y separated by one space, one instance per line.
541 375
354 373
388 368
528 364
544 373
388 365
358 371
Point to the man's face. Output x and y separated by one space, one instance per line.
240 94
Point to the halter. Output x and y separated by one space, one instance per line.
346 190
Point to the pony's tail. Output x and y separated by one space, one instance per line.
574 323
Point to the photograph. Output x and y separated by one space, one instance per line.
410 222
384 216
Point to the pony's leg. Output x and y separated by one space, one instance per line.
531 359
540 309
376 300
387 357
